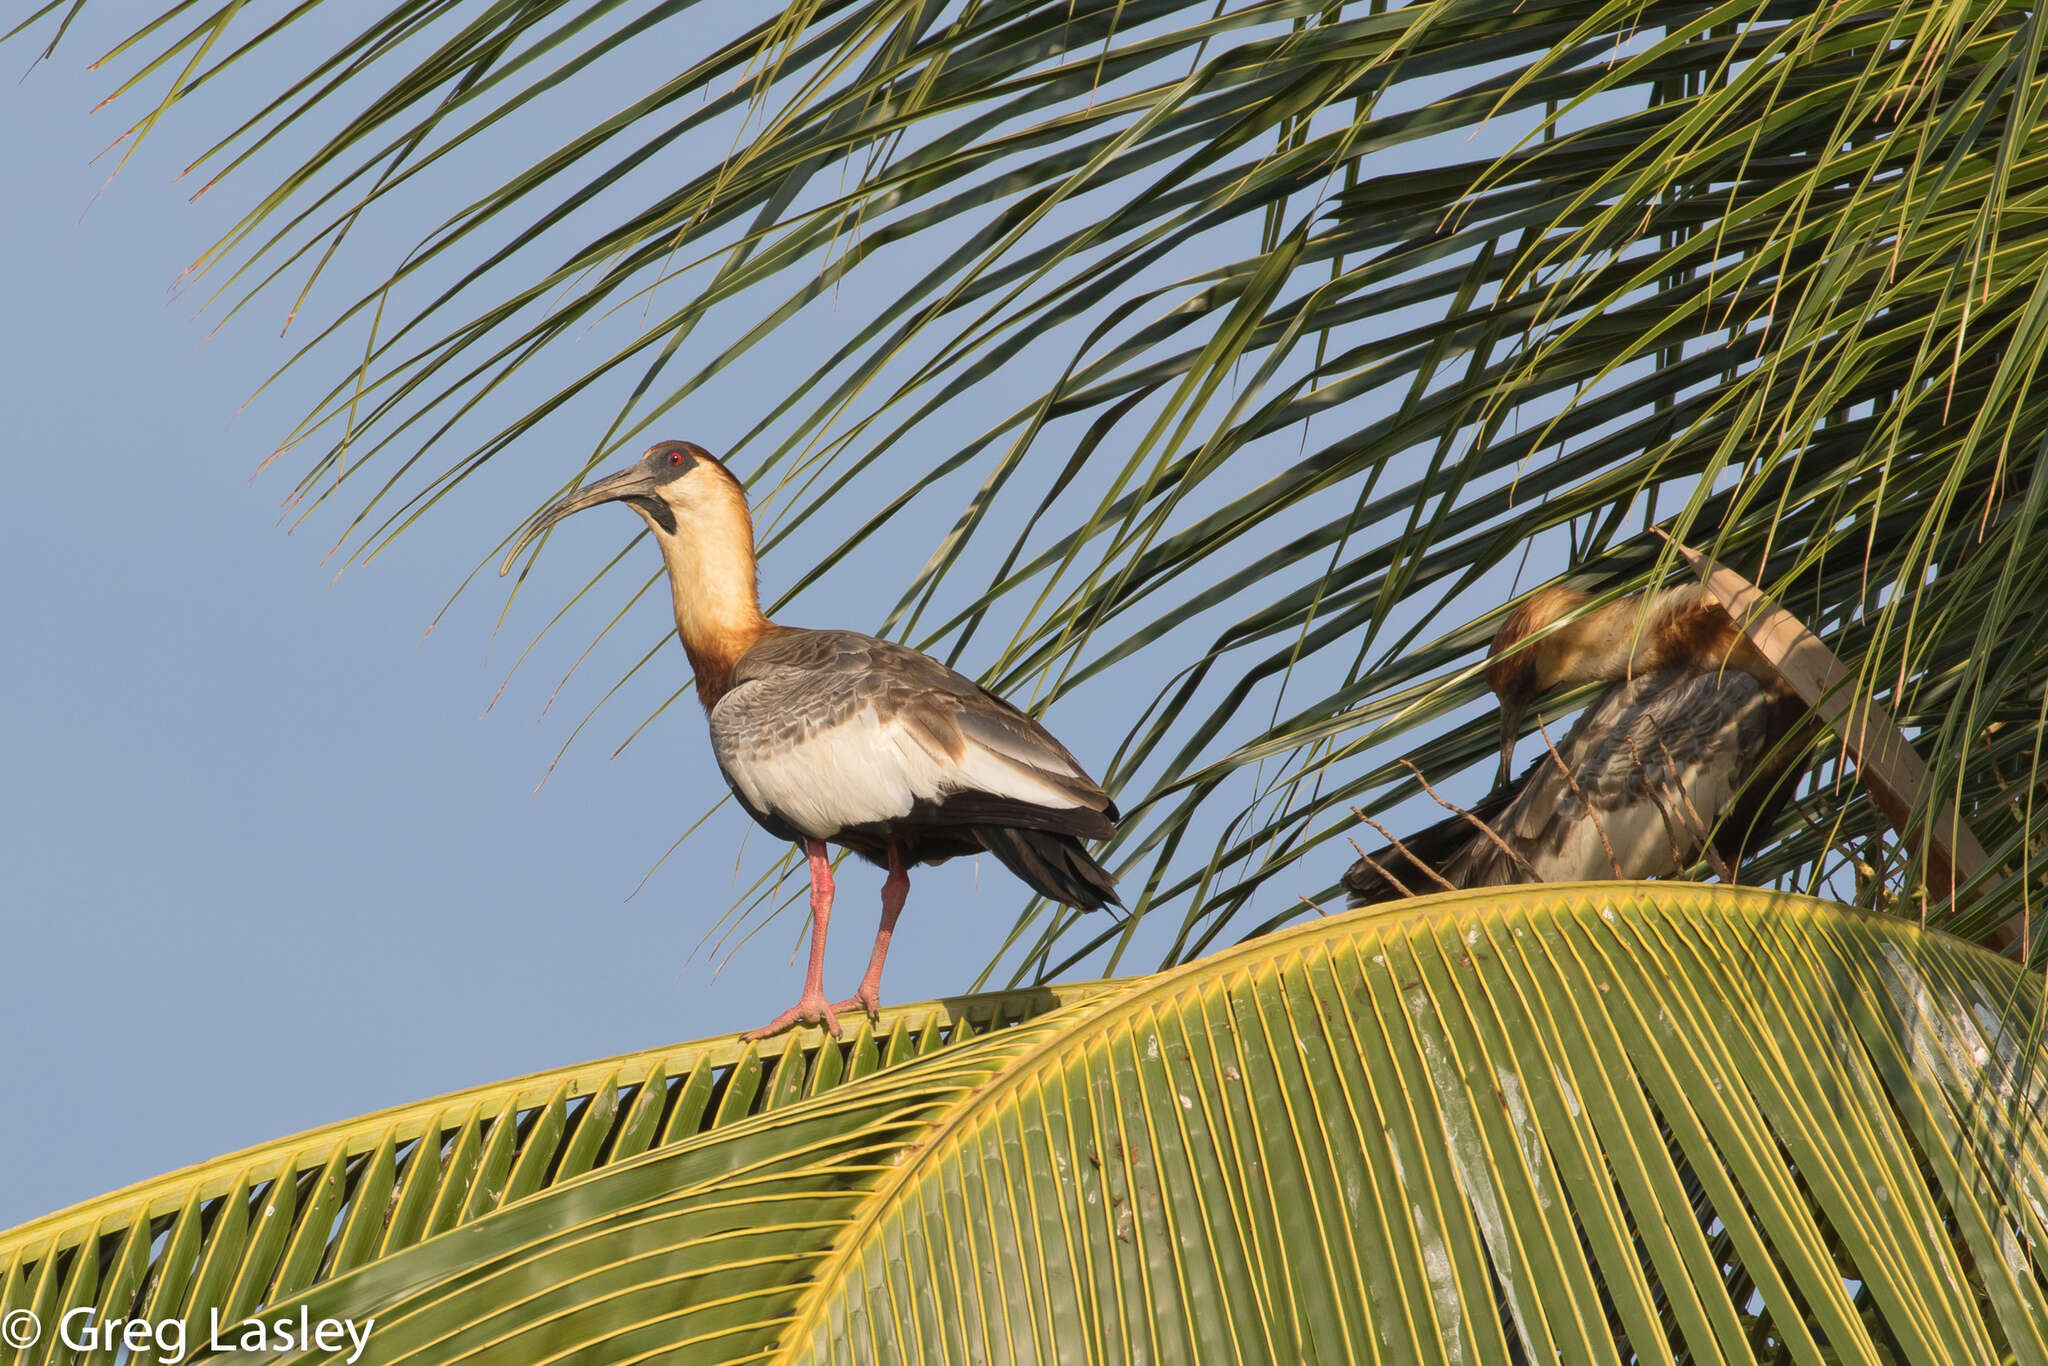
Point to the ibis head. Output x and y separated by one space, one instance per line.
1520 670
667 486
698 514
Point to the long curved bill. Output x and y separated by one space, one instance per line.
1510 731
633 482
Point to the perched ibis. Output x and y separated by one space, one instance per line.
832 737
1690 750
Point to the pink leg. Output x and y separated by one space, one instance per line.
810 1008
894 890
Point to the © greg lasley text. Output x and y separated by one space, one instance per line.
83 1330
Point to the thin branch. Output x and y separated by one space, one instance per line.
1484 828
1721 867
1650 786
1407 853
1369 861
1599 826
1857 864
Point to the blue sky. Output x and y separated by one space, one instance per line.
266 859
269 855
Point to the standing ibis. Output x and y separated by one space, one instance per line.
831 737
1690 750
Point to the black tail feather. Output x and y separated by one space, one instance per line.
1391 873
1051 864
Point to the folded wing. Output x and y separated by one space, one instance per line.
1657 766
825 731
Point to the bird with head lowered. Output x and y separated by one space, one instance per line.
833 737
1691 750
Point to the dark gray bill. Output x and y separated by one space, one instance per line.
1510 731
634 482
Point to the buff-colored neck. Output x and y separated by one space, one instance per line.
1681 626
711 576
1610 643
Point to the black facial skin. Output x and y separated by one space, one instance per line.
666 463
638 485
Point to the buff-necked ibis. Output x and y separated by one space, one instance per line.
832 737
1691 750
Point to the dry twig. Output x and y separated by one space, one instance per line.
1599 826
1483 827
1404 851
1369 861
1651 786
1721 867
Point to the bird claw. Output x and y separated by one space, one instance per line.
867 999
810 1009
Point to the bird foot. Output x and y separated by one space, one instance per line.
868 999
810 1009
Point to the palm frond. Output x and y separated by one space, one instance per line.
1331 317
1595 1122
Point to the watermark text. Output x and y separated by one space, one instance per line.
172 1340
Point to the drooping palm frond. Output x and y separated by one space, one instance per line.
254 1227
1598 1122
1328 315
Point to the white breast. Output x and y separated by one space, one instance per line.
1643 834
866 770
1641 847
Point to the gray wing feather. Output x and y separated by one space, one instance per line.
1676 745
780 697
1021 740
796 684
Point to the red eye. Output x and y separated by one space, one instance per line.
675 457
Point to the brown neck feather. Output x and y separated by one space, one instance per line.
712 662
711 574
1681 627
